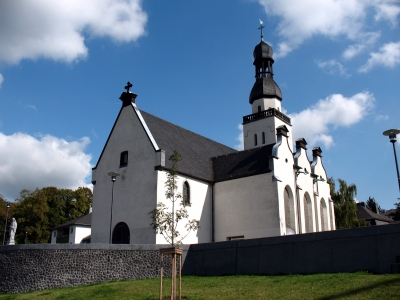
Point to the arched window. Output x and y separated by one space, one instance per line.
330 215
289 211
121 234
255 139
263 137
186 193
324 215
308 212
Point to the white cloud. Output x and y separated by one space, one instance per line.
27 162
368 40
333 67
388 56
329 18
239 138
315 123
56 29
1 79
31 106
388 11
381 118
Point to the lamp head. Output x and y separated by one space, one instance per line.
392 133
113 176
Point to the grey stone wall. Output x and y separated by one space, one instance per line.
37 267
371 248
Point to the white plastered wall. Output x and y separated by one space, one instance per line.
78 233
321 190
268 126
305 182
246 207
283 170
135 190
266 103
54 237
200 208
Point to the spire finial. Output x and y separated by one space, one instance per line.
261 28
128 86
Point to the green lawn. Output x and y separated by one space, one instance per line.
359 285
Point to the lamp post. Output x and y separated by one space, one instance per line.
5 226
26 234
392 133
113 178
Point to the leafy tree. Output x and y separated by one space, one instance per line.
32 213
345 205
371 202
396 216
42 209
166 222
3 214
79 204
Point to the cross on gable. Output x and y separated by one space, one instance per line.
128 86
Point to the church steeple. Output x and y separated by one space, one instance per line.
260 127
265 86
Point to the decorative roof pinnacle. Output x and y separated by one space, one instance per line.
128 86
261 28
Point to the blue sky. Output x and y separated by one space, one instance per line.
64 64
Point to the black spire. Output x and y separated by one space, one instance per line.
265 86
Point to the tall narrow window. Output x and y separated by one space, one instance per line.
186 193
259 108
263 137
324 215
289 211
308 213
255 140
123 160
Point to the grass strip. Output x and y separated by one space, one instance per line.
360 285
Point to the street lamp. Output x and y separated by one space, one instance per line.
5 226
26 234
392 133
113 178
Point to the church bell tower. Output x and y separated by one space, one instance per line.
259 128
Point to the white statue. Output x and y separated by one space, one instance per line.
13 229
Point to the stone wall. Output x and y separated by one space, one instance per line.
37 267
371 249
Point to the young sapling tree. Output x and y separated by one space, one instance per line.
166 222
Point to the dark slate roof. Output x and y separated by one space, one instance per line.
262 50
196 150
241 164
265 87
365 213
86 220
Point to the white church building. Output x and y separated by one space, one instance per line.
271 188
